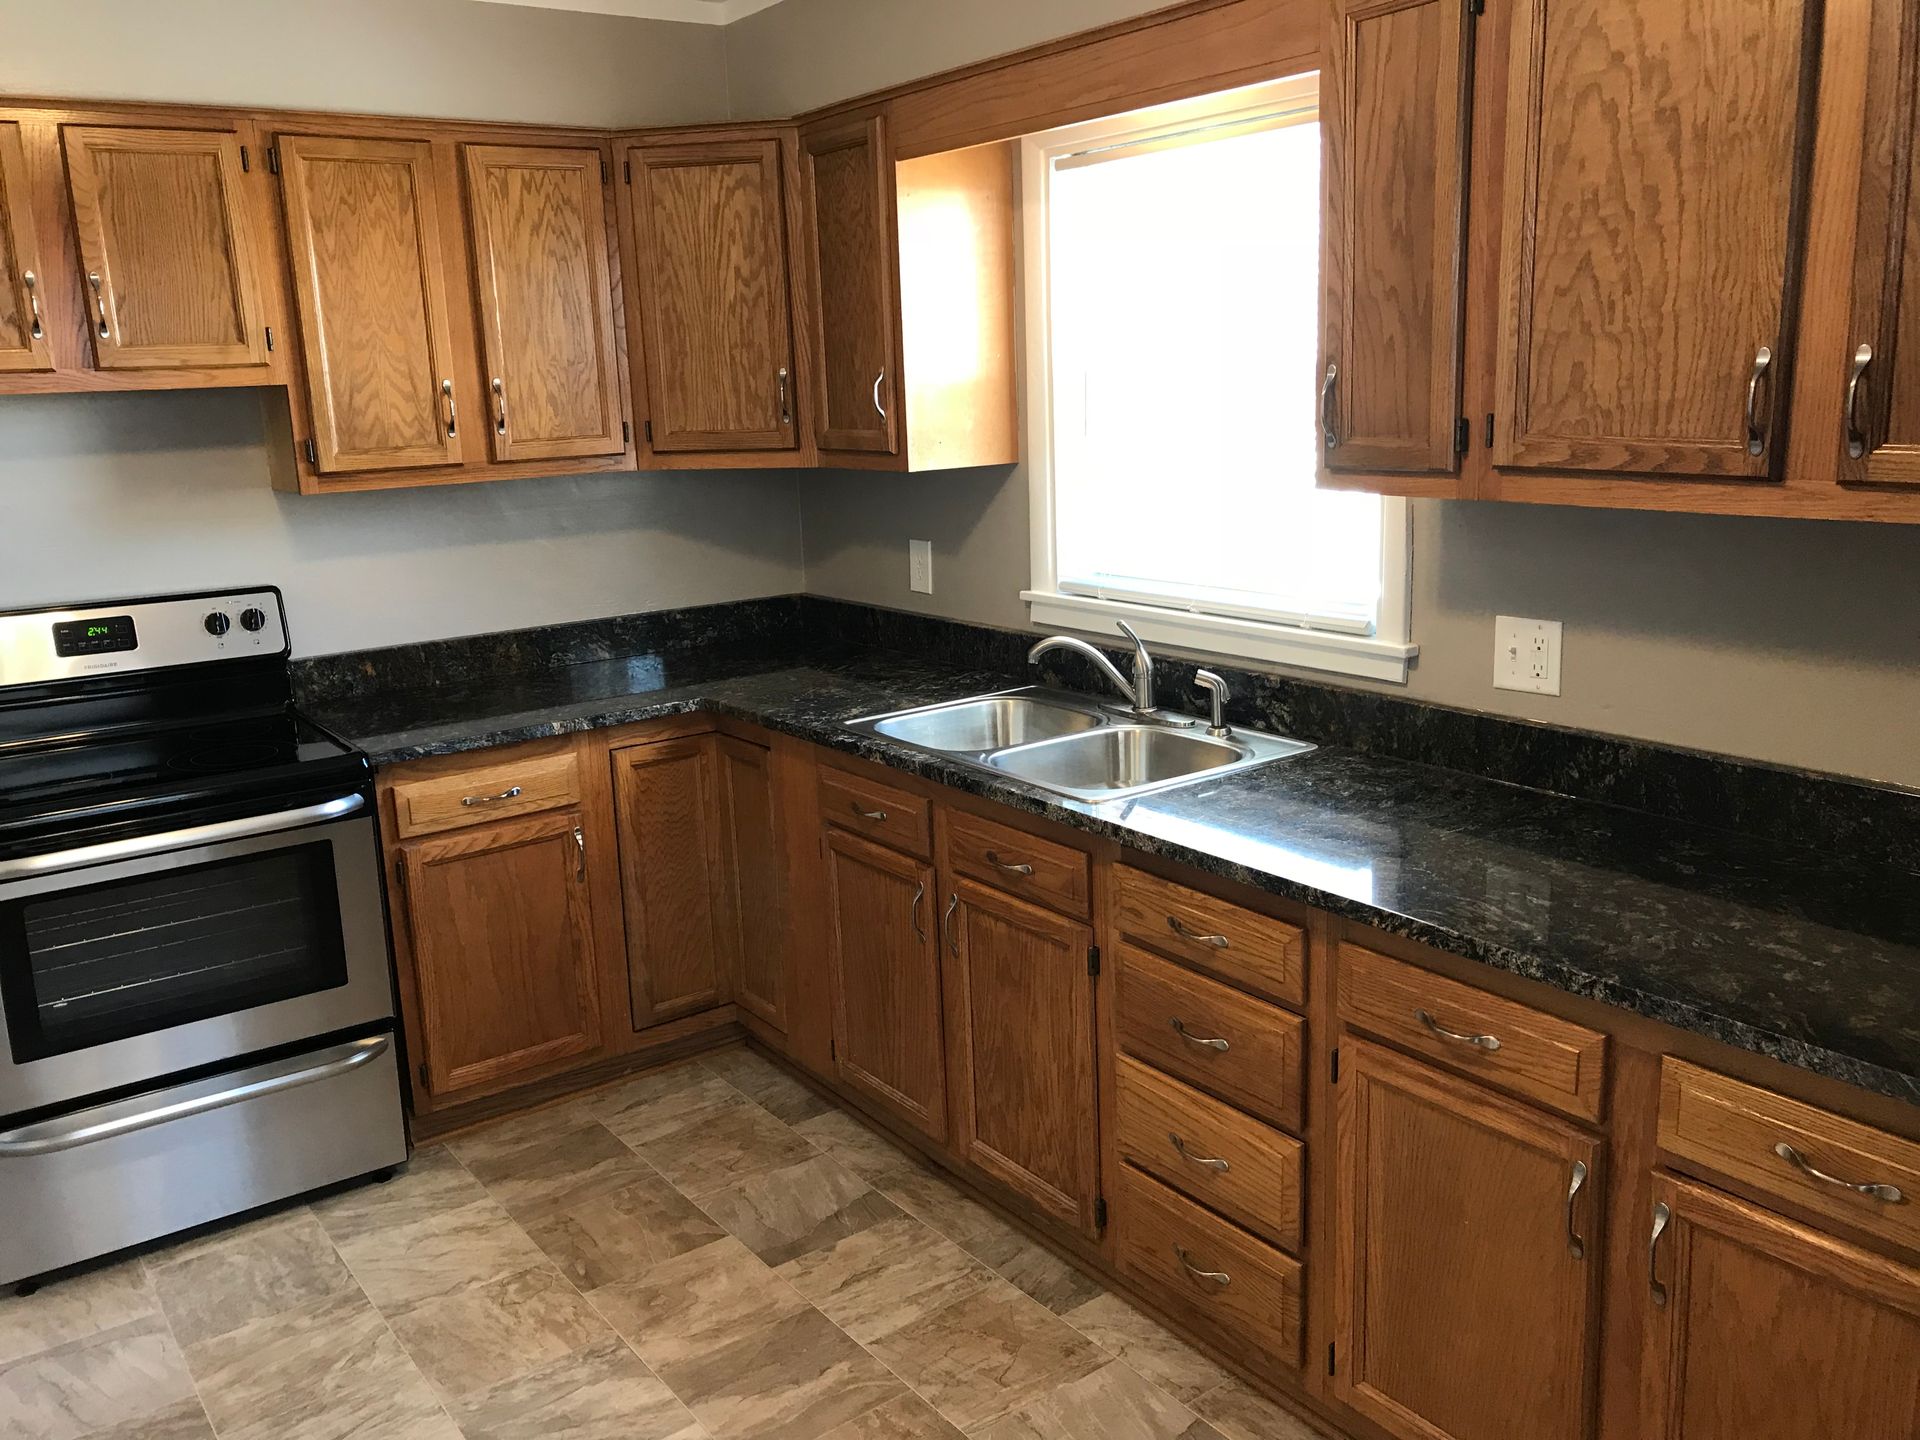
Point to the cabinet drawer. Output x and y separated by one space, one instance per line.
1019 863
1513 1046
486 792
1211 1035
1247 1171
1257 952
1224 1279
1734 1129
880 812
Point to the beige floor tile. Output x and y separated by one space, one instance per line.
185 1421
74 1308
1148 1346
436 1255
498 1331
798 1209
662 1101
623 1234
860 1148
1036 1270
432 1183
601 1393
767 1085
1113 1403
950 1211
885 1277
404 1409
539 1175
1240 1413
114 1378
905 1417
259 1271
988 1355
725 1149
794 1378
693 1304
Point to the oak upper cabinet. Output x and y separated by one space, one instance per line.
665 811
753 919
1761 1329
536 218
1020 1042
1394 105
850 210
712 294
885 977
168 256
363 228
23 316
1654 176
1465 1215
498 930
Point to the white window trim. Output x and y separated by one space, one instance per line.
1384 654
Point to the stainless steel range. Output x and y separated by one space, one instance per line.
193 961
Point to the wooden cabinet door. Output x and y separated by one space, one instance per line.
498 927
364 231
1395 99
23 326
664 799
1020 1050
1653 187
1881 440
885 974
849 182
710 246
1466 1257
168 256
1761 1329
537 220
753 916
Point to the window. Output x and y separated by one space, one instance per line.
1172 273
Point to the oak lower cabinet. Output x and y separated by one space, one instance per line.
498 927
1762 1329
1020 1046
666 813
1466 1257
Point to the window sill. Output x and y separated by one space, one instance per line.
1361 656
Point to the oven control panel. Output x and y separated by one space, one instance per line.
94 636
128 636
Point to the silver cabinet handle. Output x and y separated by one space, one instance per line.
1218 1279
946 924
878 381
1661 1215
866 814
1756 434
1218 942
1575 1245
1205 1162
786 409
1328 425
1199 1042
123 1117
511 793
1012 867
453 418
579 853
1891 1194
919 895
499 406
1489 1043
33 302
99 304
1857 446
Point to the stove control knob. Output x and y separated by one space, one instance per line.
218 623
253 618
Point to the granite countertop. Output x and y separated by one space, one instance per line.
1811 959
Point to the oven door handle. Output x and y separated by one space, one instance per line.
187 839
123 1117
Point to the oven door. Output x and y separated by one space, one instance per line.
134 960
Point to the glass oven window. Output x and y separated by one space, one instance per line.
97 963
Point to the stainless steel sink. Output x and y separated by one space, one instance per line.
1123 757
995 723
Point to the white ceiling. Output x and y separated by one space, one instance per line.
700 12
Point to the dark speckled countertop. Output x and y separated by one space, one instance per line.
1773 948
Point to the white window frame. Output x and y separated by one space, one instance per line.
1383 650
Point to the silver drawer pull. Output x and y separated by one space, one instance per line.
1857 443
1218 1279
579 854
453 416
1199 1042
1489 1043
1575 1245
1218 942
1012 867
1891 1194
866 814
472 800
1661 1215
1758 432
33 303
499 406
878 381
1205 1162
918 896
99 304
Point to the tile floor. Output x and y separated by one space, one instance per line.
705 1252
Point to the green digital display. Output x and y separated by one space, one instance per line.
99 630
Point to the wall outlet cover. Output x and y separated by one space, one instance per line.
920 566
1526 655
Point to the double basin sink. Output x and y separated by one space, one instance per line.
1075 746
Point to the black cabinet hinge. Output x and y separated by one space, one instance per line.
1100 1213
273 160
1330 1357
626 432
269 339
1335 1065
649 430
603 172
1489 430
313 453
626 170
246 165
1093 960
1462 436
423 1076
1476 7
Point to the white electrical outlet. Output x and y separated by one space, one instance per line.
1526 655
920 566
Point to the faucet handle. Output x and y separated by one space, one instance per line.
1142 669
1217 690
